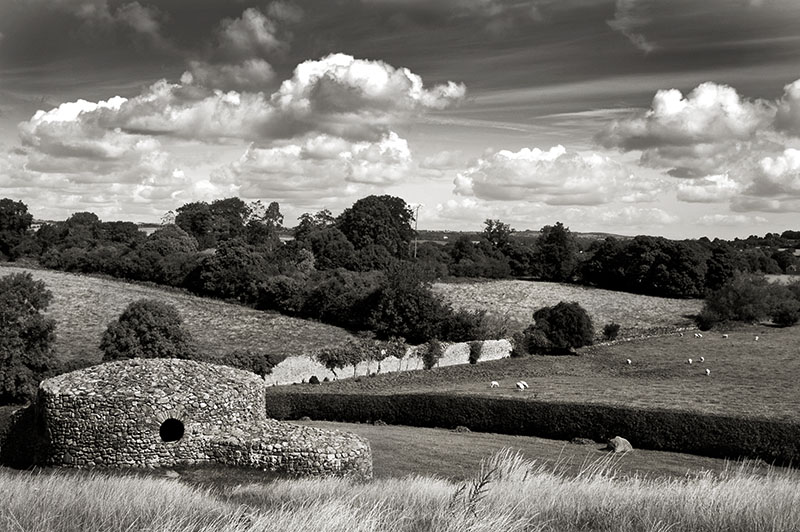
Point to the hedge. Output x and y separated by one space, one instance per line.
667 430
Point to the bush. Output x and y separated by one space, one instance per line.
743 298
431 353
785 312
313 380
560 328
147 329
26 337
610 331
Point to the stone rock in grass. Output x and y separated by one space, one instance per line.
619 445
462 428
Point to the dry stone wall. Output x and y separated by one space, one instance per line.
301 368
163 412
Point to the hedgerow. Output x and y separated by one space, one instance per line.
667 430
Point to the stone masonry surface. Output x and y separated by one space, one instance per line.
164 412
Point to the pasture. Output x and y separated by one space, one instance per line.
749 378
83 306
515 301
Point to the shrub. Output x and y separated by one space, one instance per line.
26 336
313 380
785 312
431 353
610 331
475 352
147 329
560 328
743 298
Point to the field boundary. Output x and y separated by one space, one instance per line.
664 430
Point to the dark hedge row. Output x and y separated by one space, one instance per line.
702 434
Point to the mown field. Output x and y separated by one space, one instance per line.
748 378
83 306
516 301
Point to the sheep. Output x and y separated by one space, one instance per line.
702 359
629 361
680 334
520 386
690 361
756 338
525 384
708 372
699 335
724 335
494 384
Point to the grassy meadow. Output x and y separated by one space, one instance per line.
507 493
748 378
83 306
515 302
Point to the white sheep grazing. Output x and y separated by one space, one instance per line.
690 361
680 334
724 335
699 335
495 384
520 386
756 338
702 359
708 372
629 361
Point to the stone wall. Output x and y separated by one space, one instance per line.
163 412
301 368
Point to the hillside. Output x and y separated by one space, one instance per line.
516 301
83 306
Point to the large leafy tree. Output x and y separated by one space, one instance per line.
14 223
381 221
26 336
147 328
560 328
557 252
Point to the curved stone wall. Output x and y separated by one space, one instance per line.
162 412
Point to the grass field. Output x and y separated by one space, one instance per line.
516 301
748 378
83 306
507 493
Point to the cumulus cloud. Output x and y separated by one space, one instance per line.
251 35
250 75
637 217
788 115
554 177
443 160
708 189
778 175
319 166
629 17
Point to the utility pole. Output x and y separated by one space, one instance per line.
416 234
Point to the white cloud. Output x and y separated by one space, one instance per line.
319 166
730 220
708 189
629 16
637 217
750 204
788 114
443 160
554 177
778 175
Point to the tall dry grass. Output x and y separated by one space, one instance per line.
510 493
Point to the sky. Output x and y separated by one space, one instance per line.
678 118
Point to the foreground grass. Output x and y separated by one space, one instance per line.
515 302
83 306
749 378
508 494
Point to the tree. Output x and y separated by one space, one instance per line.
197 220
26 336
147 328
557 252
378 220
498 233
14 224
560 328
313 222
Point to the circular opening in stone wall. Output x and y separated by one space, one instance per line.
171 430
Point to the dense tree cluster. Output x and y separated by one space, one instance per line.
26 337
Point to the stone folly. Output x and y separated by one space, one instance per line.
165 412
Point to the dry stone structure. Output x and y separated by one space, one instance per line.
164 412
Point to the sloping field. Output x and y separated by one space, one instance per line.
755 379
83 306
516 301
